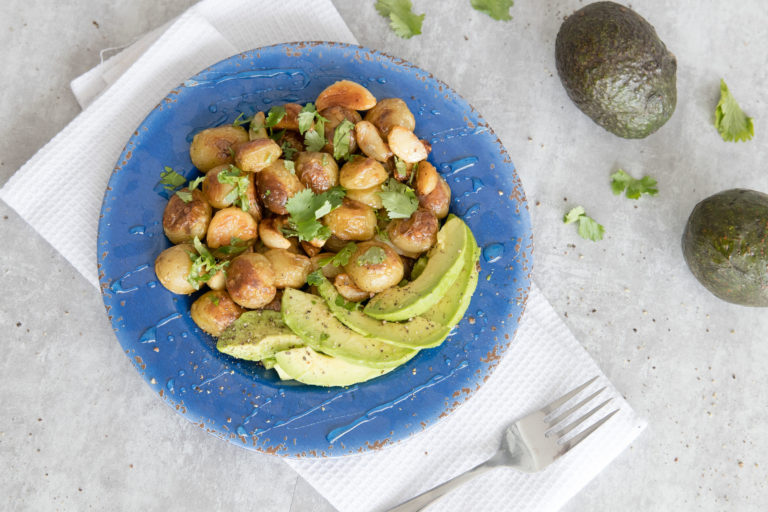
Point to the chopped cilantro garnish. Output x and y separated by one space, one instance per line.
195 182
341 139
496 9
238 179
341 258
732 123
621 181
214 299
170 179
204 265
402 20
184 195
276 136
346 304
306 117
399 199
241 120
373 256
306 208
288 152
235 247
588 227
401 170
314 140
315 278
275 115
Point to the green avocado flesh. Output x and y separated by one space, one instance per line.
310 367
616 69
309 317
725 244
455 302
417 332
257 335
444 263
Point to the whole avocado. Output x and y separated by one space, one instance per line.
616 69
725 244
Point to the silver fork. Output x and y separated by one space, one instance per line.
529 445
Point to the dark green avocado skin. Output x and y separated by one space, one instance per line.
616 69
725 244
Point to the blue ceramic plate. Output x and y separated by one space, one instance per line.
239 400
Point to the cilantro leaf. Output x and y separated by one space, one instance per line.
237 179
290 165
306 117
235 247
194 183
588 227
341 139
314 140
402 20
341 258
621 181
204 265
315 278
241 120
306 208
170 179
275 115
346 304
496 9
401 170
184 195
399 199
373 256
732 123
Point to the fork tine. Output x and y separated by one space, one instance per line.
581 420
575 407
547 409
583 435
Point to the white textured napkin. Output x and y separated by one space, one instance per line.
544 361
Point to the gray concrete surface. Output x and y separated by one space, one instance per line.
79 430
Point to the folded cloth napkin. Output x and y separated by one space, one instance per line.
59 193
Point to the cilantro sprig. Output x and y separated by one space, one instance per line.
170 179
621 181
341 258
372 256
342 139
399 199
314 134
237 179
589 229
274 116
402 19
496 9
306 208
204 265
731 122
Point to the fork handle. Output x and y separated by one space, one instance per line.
427 497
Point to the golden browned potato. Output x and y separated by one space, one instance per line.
172 268
415 234
251 280
276 185
406 145
391 112
218 281
215 191
370 142
309 249
335 115
254 207
426 178
351 221
328 270
182 222
271 233
290 120
369 196
345 94
255 155
231 223
374 267
348 289
291 270
213 146
213 311
361 173
439 200
334 244
257 130
317 170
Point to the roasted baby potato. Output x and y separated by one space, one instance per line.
275 185
213 311
219 194
391 112
271 233
373 274
257 130
251 280
370 142
426 178
183 221
351 221
335 116
290 121
439 200
344 93
172 268
348 289
257 154
415 234
213 146
230 224
361 173
317 170
291 270
369 196
406 145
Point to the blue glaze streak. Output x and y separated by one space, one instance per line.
335 434
117 284
282 423
493 252
256 410
208 381
451 168
257 73
150 335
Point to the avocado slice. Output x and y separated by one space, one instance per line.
257 335
417 332
616 69
311 367
309 317
455 302
444 263
725 244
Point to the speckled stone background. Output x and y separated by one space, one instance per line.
79 430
